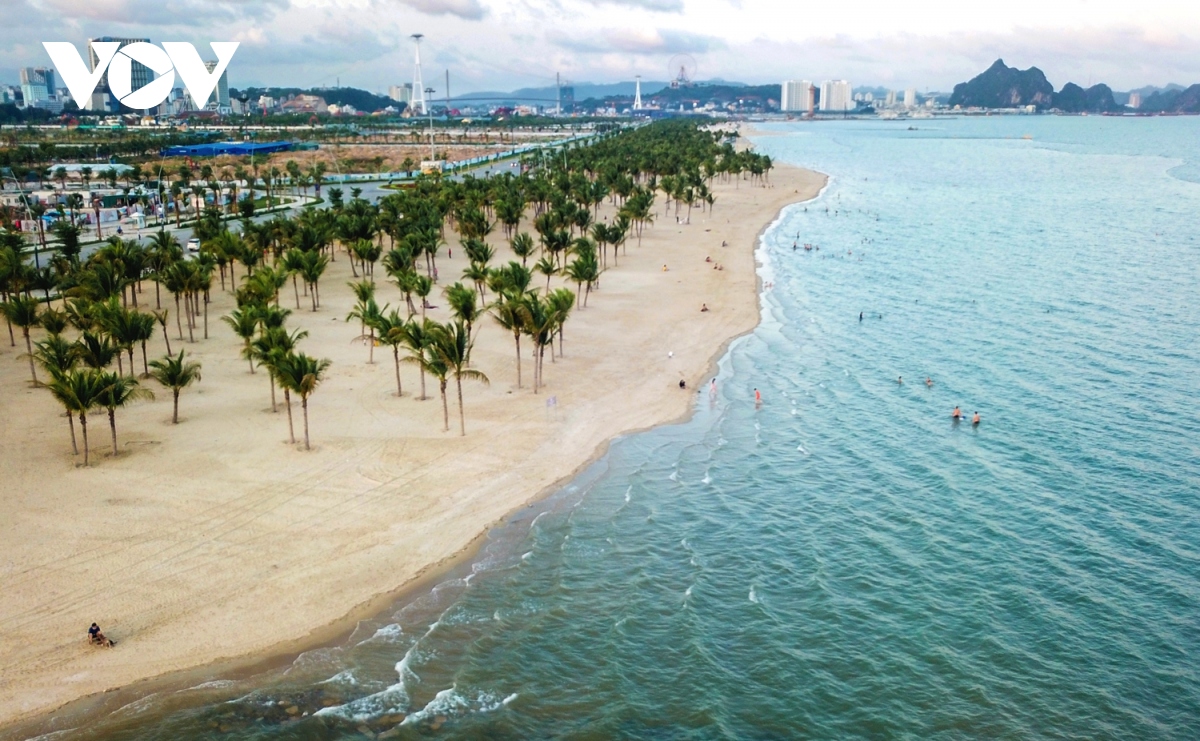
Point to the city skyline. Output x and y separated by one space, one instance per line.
504 44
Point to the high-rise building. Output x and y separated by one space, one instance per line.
1135 100
910 98
102 98
37 85
401 93
219 101
890 100
797 97
836 96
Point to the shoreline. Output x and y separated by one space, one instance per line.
416 581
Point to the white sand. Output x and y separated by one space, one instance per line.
216 539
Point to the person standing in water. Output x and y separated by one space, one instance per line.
928 381
975 419
757 398
956 414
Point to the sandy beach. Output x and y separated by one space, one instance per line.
215 538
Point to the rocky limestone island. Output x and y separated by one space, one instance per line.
1001 86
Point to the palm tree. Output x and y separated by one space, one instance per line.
415 338
160 316
547 267
80 391
95 350
452 344
143 331
314 266
431 362
462 303
391 333
23 311
119 391
244 323
274 343
368 312
176 374
523 246
57 356
302 374
507 313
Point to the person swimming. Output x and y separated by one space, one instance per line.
975 419
956 414
928 381
899 380
860 316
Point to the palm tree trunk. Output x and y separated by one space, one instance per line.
271 378
445 409
157 300
191 315
396 357
423 396
132 372
166 337
177 320
112 424
312 294
206 316
83 428
71 422
120 364
287 401
175 407
145 365
517 337
371 352
29 354
462 419
304 406
296 289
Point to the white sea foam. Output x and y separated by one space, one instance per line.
343 677
215 684
450 702
674 474
707 479
753 595
629 493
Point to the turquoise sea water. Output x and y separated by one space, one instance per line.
845 561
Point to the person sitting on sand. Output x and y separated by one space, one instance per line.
956 414
975 419
664 267
703 308
708 258
682 384
96 638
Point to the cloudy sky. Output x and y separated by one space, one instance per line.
504 44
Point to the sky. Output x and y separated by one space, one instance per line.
507 44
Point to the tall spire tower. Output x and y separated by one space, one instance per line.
637 95
418 103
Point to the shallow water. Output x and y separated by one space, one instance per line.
845 561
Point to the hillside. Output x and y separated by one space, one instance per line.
360 99
1001 86
1096 99
1173 101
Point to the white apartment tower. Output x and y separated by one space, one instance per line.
219 101
401 93
797 96
910 98
836 96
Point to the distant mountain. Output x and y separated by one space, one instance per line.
1096 99
361 99
1173 101
1001 86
